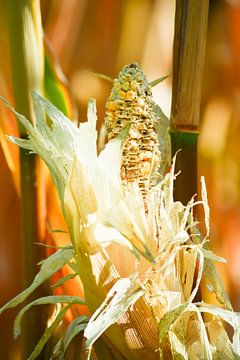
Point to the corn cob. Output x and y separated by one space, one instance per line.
130 101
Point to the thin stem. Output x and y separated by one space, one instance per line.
188 61
25 35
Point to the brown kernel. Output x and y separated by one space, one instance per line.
140 152
145 168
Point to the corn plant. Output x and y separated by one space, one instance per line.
145 309
137 251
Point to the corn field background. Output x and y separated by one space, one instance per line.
86 36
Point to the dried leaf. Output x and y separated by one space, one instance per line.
122 295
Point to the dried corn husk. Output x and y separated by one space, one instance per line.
149 313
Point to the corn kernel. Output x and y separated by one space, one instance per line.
125 85
117 85
145 169
133 85
140 155
111 105
131 95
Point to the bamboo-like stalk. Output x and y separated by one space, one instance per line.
25 34
191 19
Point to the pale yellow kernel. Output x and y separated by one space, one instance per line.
119 102
111 105
122 94
133 85
145 155
131 95
134 134
123 173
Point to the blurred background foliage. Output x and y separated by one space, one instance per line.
102 36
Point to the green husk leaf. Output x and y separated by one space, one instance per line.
168 320
124 293
211 256
211 275
162 125
232 318
23 143
64 299
215 281
48 333
50 265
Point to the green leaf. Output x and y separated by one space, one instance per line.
42 301
51 247
58 231
101 76
54 84
57 353
47 334
50 265
63 280
158 81
124 293
75 327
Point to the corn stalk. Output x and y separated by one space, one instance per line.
188 59
25 34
